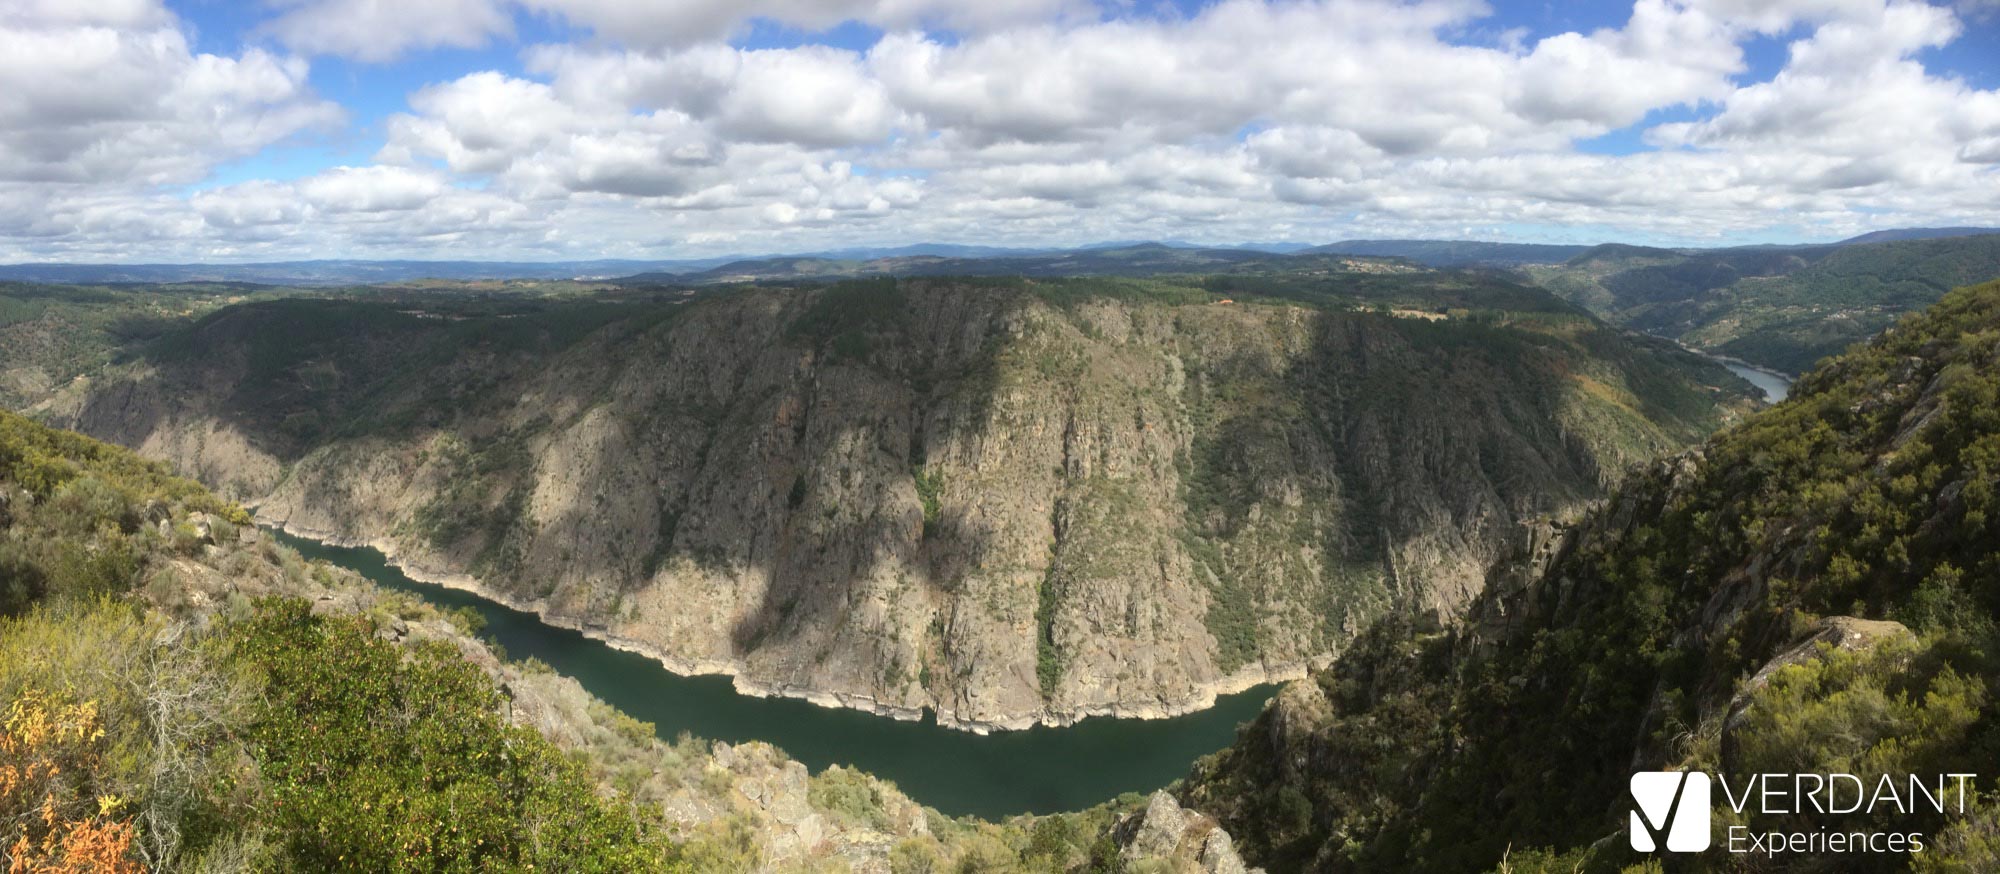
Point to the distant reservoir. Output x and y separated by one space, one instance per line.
1040 770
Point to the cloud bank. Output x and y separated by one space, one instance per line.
655 133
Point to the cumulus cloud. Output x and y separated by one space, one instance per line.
114 95
102 104
371 189
691 21
812 96
1039 123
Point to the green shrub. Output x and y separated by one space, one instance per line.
382 760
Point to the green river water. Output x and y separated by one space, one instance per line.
1040 770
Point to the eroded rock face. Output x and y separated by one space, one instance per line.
1181 840
975 499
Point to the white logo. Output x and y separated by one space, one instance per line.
1672 809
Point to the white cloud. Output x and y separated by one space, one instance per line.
1252 119
94 103
101 13
381 30
692 21
812 96
103 103
371 189
1664 56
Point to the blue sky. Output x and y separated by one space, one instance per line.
545 129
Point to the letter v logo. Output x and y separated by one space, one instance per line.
1672 811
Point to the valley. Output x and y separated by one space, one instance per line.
955 437
1808 590
1040 770
1015 514
1010 502
1780 308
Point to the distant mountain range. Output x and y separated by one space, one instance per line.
1140 259
1454 253
1917 234
1120 257
341 272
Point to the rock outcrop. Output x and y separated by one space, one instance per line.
1180 840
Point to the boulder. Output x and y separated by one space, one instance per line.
1181 840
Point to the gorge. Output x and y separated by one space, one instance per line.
1007 501
1038 770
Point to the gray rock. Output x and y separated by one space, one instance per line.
1156 831
1218 855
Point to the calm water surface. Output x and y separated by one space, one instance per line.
1040 770
1776 385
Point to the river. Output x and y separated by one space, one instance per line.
1039 770
1776 386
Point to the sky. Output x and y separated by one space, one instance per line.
203 130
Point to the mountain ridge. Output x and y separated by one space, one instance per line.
1445 253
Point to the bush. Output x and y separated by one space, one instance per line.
382 761
851 795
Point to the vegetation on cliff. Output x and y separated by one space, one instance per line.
219 704
50 335
271 739
1002 498
1838 542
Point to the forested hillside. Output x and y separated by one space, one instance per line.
1810 592
50 335
1779 307
214 732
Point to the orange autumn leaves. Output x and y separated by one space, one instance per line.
49 822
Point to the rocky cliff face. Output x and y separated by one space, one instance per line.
1009 501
